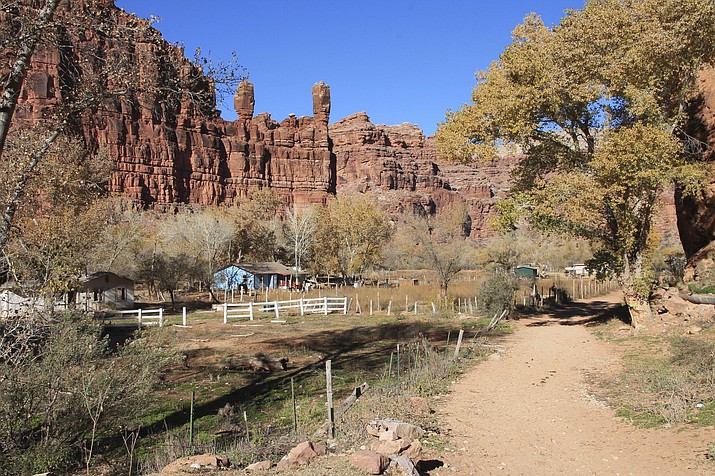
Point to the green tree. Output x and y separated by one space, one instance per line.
351 233
596 106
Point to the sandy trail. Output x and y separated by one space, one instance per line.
530 411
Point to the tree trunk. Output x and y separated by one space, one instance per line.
639 311
18 72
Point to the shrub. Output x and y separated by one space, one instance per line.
497 293
62 387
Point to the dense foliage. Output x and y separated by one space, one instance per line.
596 107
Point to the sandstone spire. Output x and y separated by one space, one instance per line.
321 102
244 100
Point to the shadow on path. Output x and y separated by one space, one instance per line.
586 313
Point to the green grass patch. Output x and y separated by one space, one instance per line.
641 418
704 416
695 289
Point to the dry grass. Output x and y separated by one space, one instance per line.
667 378
360 348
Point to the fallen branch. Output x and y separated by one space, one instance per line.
345 406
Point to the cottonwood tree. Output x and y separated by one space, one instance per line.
51 247
439 240
299 229
123 230
259 229
351 234
205 236
596 106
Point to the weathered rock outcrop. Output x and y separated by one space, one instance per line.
696 215
400 168
168 150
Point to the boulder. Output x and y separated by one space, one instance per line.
398 428
414 451
388 448
264 465
301 455
420 405
675 305
370 461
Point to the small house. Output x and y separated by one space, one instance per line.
530 272
577 270
105 290
255 276
12 303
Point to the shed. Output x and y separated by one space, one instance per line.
577 270
12 303
105 290
526 271
253 276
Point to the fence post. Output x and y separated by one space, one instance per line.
459 344
250 310
329 394
302 308
371 307
276 309
183 316
325 305
139 316
345 305
161 317
225 313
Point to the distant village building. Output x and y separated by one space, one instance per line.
577 270
255 276
104 290
527 272
13 303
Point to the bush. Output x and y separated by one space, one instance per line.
62 388
497 293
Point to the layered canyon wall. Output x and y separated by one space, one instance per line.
167 150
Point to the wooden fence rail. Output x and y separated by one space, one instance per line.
134 317
322 305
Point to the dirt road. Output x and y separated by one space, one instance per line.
529 411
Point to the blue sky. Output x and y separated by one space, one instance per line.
398 60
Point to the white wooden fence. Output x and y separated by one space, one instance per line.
135 317
323 305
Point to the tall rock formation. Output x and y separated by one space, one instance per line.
168 150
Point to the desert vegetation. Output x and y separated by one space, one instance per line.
601 141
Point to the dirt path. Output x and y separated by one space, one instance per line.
529 411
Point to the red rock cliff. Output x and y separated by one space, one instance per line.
168 150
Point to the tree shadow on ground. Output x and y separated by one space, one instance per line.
580 314
364 348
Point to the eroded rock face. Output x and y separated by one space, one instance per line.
168 150
696 215
399 167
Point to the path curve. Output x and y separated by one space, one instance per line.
528 411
